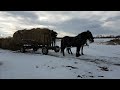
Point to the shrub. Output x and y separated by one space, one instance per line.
115 41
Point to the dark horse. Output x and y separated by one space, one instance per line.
77 41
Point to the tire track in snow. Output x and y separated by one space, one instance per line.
87 58
94 59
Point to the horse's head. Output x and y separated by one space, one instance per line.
90 36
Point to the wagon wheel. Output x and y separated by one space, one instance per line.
45 50
22 49
56 49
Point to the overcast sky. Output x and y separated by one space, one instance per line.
63 22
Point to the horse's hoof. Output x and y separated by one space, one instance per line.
82 54
77 55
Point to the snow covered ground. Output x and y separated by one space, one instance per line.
99 62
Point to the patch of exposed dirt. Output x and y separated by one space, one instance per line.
117 64
115 41
76 62
100 76
37 66
72 67
79 76
104 68
52 67
1 63
90 72
91 76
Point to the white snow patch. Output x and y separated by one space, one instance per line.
16 65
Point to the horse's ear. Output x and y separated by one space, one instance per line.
88 31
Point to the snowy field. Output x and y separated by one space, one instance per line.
99 62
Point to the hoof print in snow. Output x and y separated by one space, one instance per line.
100 76
76 62
104 68
37 67
90 72
83 75
72 67
1 63
91 76
79 76
117 64
52 67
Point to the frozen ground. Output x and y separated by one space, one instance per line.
99 62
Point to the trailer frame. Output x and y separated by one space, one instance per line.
35 46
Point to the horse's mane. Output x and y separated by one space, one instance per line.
81 34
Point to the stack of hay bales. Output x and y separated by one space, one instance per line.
40 35
7 43
1 39
43 36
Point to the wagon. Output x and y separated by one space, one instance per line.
36 38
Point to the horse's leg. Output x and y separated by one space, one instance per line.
82 50
77 51
54 42
62 51
68 49
71 51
